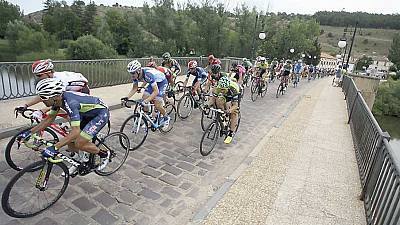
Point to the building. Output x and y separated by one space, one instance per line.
382 64
327 61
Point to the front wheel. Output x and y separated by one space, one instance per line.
264 89
207 116
279 90
136 128
209 138
254 89
185 106
34 189
118 145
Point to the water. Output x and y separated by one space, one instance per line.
391 124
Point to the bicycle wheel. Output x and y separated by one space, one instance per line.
237 126
21 198
264 90
185 106
171 112
254 90
206 119
118 144
136 129
278 91
209 138
18 156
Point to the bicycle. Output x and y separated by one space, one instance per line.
172 91
46 180
281 87
18 155
295 80
258 88
136 126
217 128
188 102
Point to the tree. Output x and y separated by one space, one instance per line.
364 62
8 12
394 52
88 23
89 47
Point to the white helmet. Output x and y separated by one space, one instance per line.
49 87
41 66
134 66
262 58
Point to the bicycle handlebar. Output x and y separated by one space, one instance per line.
125 103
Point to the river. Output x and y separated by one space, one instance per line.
392 125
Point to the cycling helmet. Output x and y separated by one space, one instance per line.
289 61
192 64
223 82
133 66
234 66
49 87
41 66
299 61
244 59
216 68
152 64
262 59
166 56
211 57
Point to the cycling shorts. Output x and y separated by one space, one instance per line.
162 87
90 126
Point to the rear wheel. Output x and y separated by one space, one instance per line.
136 129
185 106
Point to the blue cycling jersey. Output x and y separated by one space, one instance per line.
199 72
152 76
79 105
297 68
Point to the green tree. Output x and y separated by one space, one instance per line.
89 47
8 12
118 26
88 20
387 101
394 52
364 62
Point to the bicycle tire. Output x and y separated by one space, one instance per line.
135 144
171 112
254 90
206 117
5 199
120 139
215 137
264 91
279 90
18 166
183 101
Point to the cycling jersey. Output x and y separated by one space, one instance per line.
262 66
72 81
298 68
173 65
215 61
80 107
286 69
167 72
247 64
232 94
199 73
240 70
154 78
214 81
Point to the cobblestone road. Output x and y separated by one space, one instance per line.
166 181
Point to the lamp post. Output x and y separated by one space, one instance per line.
343 44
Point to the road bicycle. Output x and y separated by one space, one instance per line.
281 87
18 155
137 126
295 79
189 101
39 185
219 127
258 88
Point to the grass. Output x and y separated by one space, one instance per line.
371 42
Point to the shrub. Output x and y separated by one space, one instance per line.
89 47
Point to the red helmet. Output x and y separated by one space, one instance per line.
41 66
152 64
192 64
211 57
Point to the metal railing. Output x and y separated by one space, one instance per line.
18 81
378 164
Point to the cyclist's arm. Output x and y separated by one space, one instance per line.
46 122
186 80
34 101
72 135
133 90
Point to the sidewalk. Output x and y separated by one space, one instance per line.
304 173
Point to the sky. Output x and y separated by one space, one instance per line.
288 6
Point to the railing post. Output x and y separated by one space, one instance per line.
352 107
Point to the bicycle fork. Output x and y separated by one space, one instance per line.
43 178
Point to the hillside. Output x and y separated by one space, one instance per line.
372 42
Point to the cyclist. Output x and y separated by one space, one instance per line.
88 115
247 64
212 60
272 68
311 71
261 69
298 69
199 73
154 91
167 72
286 69
226 96
239 72
214 76
45 69
172 64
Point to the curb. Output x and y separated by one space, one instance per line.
203 212
8 132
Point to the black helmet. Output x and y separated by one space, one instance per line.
216 68
166 56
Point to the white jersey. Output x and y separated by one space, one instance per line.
71 80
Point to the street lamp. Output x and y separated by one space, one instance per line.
303 55
342 43
291 50
262 35
315 57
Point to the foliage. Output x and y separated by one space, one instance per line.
89 47
394 52
46 54
387 101
8 12
364 62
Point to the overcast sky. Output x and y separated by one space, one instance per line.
288 6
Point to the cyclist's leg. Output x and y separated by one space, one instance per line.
158 101
234 108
